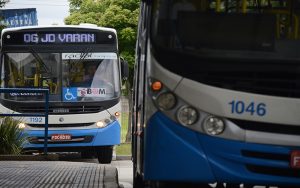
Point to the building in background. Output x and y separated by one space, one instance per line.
18 17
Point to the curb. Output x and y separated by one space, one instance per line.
49 157
123 157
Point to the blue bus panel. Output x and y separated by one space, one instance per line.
107 136
176 153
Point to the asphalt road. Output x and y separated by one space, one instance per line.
124 167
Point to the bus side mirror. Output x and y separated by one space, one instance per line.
124 69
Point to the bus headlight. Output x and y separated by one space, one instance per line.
214 125
166 101
187 115
103 123
22 125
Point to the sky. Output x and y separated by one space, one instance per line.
48 11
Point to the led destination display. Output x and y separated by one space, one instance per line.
58 37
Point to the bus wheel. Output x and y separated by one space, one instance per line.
104 154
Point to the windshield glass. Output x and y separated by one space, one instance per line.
90 76
70 77
228 28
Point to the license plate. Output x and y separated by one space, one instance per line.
295 159
61 137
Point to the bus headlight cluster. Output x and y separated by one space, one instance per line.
187 115
166 101
213 125
103 123
184 113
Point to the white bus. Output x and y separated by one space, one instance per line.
81 68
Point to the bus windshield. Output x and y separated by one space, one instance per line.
261 29
70 77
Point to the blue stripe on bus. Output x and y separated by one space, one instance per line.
109 135
176 153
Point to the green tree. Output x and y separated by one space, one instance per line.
121 15
11 137
2 4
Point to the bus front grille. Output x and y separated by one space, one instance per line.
274 171
278 158
61 110
281 81
267 127
61 125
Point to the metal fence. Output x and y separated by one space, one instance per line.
20 91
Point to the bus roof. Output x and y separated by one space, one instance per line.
83 26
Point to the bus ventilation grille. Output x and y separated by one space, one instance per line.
283 82
61 125
267 170
62 110
286 172
267 127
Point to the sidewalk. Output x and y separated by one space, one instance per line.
36 174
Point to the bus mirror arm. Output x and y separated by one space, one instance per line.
124 69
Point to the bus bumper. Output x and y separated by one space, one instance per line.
81 138
175 153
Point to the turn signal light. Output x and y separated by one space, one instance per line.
117 114
156 86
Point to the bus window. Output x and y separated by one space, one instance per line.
30 70
235 25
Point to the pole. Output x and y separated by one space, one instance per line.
46 123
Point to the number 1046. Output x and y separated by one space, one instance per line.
252 108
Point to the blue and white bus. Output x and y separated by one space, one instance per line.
81 68
216 93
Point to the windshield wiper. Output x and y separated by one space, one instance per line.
84 54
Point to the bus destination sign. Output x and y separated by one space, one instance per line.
46 38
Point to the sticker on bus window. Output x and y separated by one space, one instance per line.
70 94
89 56
91 92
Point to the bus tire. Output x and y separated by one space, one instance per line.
104 154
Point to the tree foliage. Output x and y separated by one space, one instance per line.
121 15
2 4
11 137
